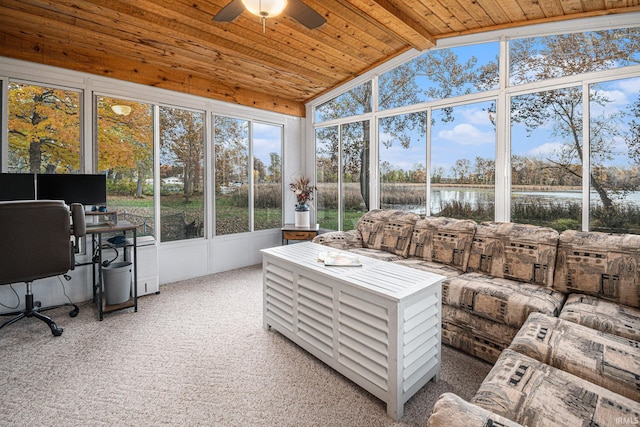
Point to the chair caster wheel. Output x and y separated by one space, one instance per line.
56 331
74 312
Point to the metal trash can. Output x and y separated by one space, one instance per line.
117 282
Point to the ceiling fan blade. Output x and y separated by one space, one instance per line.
229 12
304 14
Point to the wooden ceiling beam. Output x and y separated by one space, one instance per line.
402 24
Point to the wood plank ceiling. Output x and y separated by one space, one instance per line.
174 44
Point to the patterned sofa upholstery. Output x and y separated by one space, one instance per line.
600 272
508 276
559 314
497 273
535 394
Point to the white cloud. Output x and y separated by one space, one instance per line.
630 86
467 134
546 149
476 116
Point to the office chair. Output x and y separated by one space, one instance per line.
37 244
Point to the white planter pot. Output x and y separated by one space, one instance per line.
302 219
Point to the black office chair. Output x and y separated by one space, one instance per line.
37 244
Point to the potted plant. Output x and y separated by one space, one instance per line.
303 190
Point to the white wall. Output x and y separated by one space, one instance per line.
176 260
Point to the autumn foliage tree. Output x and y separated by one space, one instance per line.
125 145
44 129
182 146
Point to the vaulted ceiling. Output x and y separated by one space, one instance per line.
174 44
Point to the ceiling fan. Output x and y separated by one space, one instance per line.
269 8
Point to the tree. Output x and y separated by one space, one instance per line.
231 143
448 77
125 142
633 137
182 146
44 129
275 167
550 57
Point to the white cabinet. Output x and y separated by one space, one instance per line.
378 324
147 266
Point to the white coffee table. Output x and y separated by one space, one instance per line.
377 324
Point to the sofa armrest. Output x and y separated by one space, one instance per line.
452 411
345 240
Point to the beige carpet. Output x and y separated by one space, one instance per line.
196 354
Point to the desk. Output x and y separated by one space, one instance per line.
97 246
291 232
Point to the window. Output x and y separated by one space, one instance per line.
355 189
181 174
531 123
546 158
354 102
440 74
403 155
463 145
615 156
327 173
267 176
241 191
44 129
542 58
125 156
231 146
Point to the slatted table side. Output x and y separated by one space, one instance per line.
379 324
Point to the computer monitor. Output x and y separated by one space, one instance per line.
73 188
17 186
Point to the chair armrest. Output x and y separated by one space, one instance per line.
345 240
452 410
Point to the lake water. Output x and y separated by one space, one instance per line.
477 197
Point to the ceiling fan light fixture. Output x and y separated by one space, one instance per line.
265 8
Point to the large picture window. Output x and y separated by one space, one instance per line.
440 74
181 174
547 158
44 129
267 176
247 198
125 156
327 173
614 134
520 147
403 157
463 145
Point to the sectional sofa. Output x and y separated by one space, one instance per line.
558 313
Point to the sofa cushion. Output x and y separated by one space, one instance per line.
387 230
475 335
522 252
603 359
501 300
431 267
599 264
371 226
344 240
443 240
602 315
451 410
534 394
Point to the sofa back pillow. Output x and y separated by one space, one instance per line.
371 225
599 264
387 230
521 252
443 240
